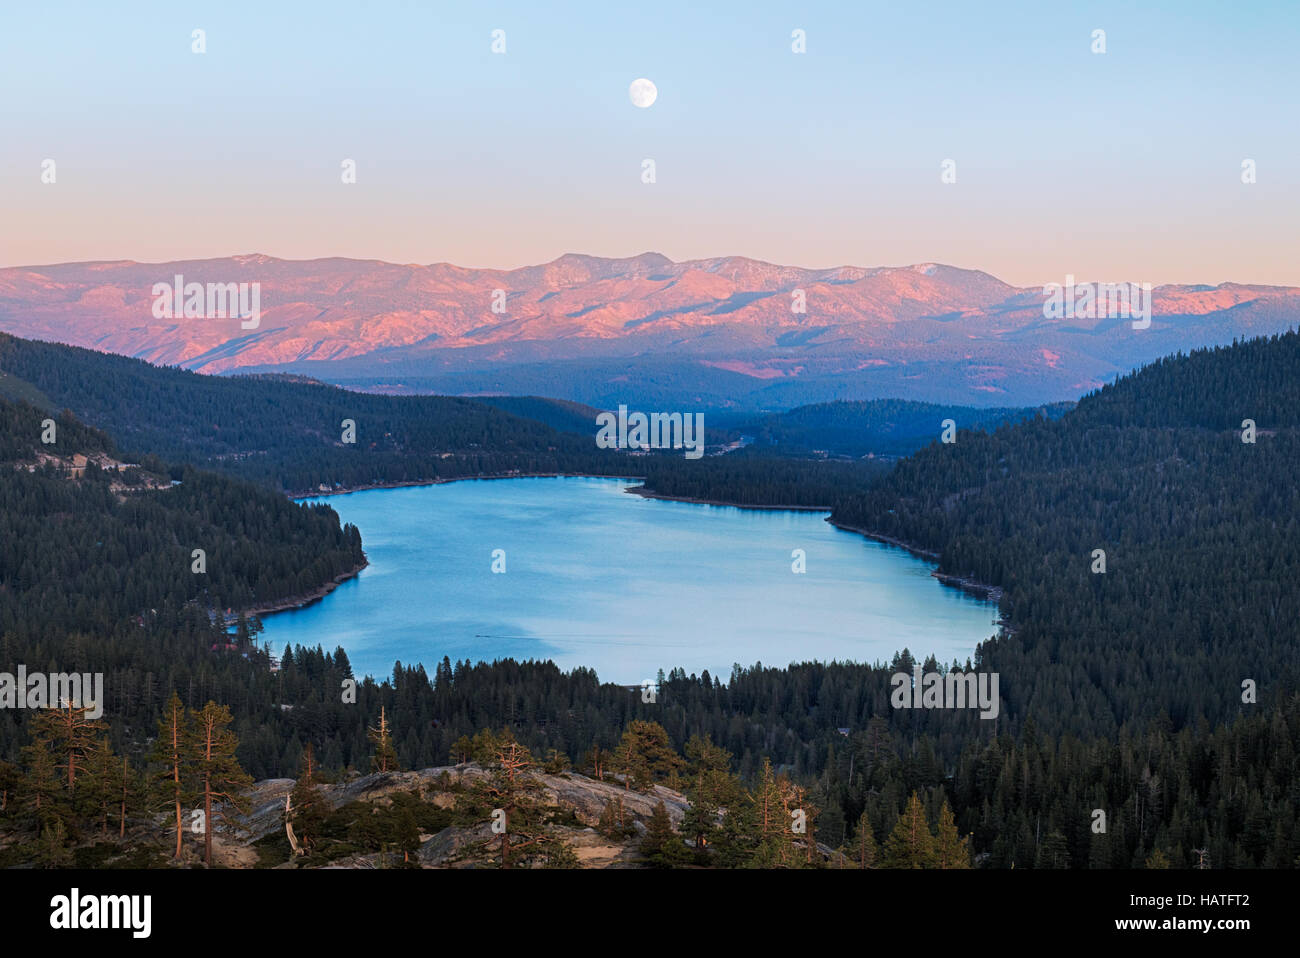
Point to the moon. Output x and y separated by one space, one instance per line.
642 93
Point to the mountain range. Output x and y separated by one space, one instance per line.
712 333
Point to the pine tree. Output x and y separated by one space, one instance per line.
910 845
864 844
509 798
661 846
1157 859
486 744
307 810
131 789
772 818
172 782
951 850
798 802
70 733
613 823
712 789
1054 852
594 758
644 755
462 750
831 827
308 765
556 762
773 837
53 850
102 784
384 758
408 835
559 854
878 743
40 791
221 781
738 836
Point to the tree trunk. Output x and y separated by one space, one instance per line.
178 829
176 778
207 820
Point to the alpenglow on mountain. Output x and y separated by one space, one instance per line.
712 332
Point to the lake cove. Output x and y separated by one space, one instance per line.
589 575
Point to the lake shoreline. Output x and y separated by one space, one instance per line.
991 593
304 599
411 483
634 490
981 590
844 622
971 586
650 494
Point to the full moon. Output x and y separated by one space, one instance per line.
642 93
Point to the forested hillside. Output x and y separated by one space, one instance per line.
287 434
1120 690
559 414
880 427
1025 800
1198 529
751 477
97 566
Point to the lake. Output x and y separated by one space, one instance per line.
598 577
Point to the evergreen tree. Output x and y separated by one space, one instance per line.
508 797
1054 852
102 785
772 821
71 733
910 844
384 758
307 809
173 782
408 835
737 839
804 813
40 790
661 846
1157 859
220 779
645 755
132 796
593 761
865 851
53 849
951 850
614 822
711 789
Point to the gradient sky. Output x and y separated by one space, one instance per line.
1122 166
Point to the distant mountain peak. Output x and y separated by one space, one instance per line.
641 260
962 334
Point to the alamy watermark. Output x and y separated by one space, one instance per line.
946 690
213 301
104 912
44 690
659 430
1098 301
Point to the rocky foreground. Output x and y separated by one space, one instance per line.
584 797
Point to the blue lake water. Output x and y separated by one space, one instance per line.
619 583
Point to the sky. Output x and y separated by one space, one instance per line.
1117 166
